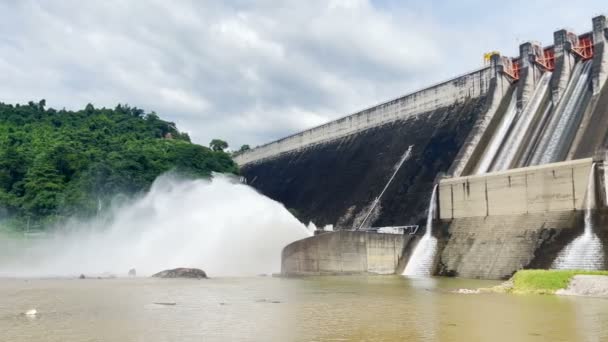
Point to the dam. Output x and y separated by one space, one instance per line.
511 149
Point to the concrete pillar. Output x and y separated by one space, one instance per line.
529 73
564 41
497 64
498 67
474 146
599 70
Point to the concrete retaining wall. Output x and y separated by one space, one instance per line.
471 85
552 187
495 247
344 252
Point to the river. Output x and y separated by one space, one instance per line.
356 308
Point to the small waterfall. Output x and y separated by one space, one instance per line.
585 252
521 126
421 261
499 137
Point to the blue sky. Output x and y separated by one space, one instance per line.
254 71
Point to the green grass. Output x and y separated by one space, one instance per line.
546 281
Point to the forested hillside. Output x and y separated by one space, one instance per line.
56 164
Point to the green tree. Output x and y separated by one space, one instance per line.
55 164
218 145
244 148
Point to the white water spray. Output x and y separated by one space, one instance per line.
220 226
422 259
585 252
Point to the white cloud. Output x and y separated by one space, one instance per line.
245 71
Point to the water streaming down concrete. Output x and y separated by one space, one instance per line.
559 133
422 260
535 135
585 252
498 139
513 143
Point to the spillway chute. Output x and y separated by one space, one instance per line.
558 135
498 139
513 143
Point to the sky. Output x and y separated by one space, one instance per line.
250 72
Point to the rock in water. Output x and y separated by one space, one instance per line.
192 273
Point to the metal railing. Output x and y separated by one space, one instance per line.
411 229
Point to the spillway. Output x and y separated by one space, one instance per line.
561 128
520 128
528 148
498 139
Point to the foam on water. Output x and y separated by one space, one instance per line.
585 252
422 259
221 226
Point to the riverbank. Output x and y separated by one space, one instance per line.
555 282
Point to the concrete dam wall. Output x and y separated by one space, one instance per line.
541 218
337 181
511 147
540 189
505 221
471 85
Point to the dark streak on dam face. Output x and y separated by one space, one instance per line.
335 182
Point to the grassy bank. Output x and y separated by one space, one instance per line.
545 281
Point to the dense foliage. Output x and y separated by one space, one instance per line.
56 163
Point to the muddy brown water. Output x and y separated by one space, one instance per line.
376 308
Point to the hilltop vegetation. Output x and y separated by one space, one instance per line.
56 164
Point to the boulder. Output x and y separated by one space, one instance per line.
191 273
